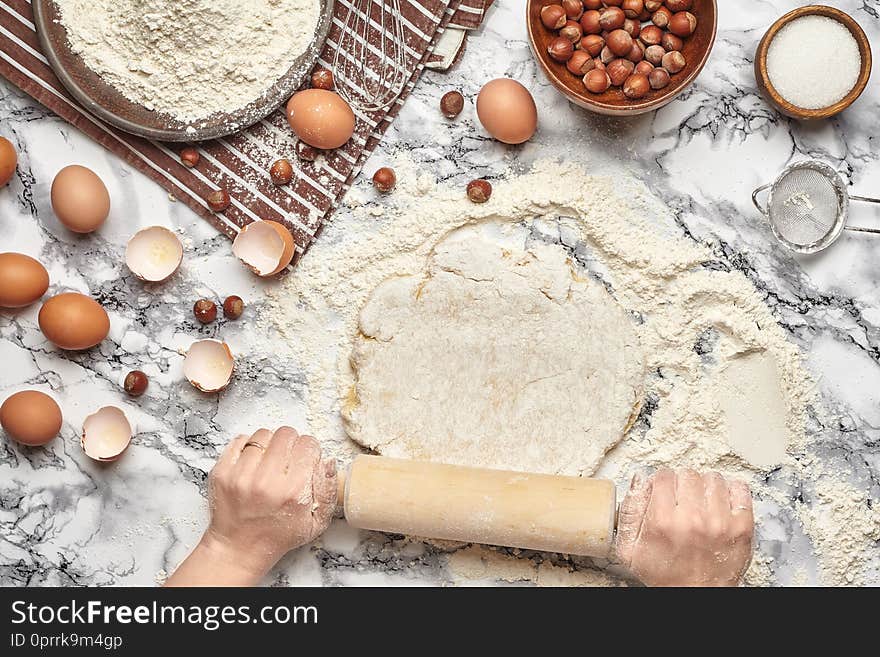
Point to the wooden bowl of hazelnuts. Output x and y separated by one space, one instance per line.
622 57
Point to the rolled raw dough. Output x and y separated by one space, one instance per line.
497 357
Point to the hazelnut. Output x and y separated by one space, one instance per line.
384 180
189 156
661 17
679 5
620 43
613 3
597 81
281 172
580 63
322 79
451 104
233 307
654 54
599 63
645 16
572 31
632 27
590 22
205 311
636 53
560 49
651 35
612 18
574 9
479 190
673 62
683 24
135 383
593 44
632 8
593 4
671 42
606 55
659 78
218 200
619 70
636 86
644 68
553 17
653 5
306 152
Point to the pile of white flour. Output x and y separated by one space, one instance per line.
714 351
190 58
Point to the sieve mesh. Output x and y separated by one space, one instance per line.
805 206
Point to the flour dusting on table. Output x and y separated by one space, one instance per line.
190 58
702 325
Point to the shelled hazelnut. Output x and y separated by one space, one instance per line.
572 31
593 44
590 22
322 79
580 63
632 8
553 17
636 86
659 78
479 191
451 104
560 49
673 62
384 180
612 18
281 172
683 24
597 81
619 70
574 9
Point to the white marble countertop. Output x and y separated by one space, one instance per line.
67 521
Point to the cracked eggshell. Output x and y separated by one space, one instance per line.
265 246
154 254
106 434
208 365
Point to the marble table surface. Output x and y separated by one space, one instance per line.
67 521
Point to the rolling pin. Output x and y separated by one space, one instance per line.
572 515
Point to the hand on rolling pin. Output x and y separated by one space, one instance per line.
269 493
680 528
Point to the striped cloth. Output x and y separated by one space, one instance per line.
239 163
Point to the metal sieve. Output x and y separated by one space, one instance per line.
807 206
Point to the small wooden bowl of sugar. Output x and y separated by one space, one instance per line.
813 62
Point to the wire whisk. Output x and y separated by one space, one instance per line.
370 63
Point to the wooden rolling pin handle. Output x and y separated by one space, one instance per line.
571 515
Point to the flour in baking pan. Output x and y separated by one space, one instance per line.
190 58
705 332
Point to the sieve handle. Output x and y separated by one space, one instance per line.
857 229
760 189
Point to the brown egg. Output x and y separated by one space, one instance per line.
30 417
23 280
80 199
507 111
320 118
8 160
73 321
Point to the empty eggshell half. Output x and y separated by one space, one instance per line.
153 254
264 246
208 365
106 434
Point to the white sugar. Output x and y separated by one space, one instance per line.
814 62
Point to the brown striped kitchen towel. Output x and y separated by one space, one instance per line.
239 163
